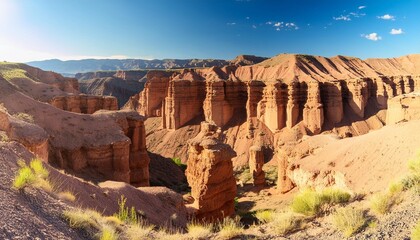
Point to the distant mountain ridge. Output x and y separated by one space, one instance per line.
94 65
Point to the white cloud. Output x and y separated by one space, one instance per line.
342 18
254 27
387 17
361 7
357 15
396 31
278 24
372 36
277 29
269 23
231 24
247 18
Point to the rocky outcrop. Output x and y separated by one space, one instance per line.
256 163
84 103
403 108
184 101
313 112
210 174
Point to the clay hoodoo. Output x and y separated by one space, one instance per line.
210 174
256 163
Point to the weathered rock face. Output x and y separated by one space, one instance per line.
183 103
256 163
84 103
313 112
403 108
210 174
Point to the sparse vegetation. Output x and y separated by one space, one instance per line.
271 174
108 233
348 220
83 219
415 233
287 222
381 203
230 228
34 175
265 216
24 117
66 196
199 230
125 214
4 137
309 202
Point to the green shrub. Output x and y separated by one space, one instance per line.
38 168
179 163
381 203
307 202
24 178
265 216
335 195
415 233
348 220
83 219
287 222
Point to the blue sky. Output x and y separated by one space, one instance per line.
64 29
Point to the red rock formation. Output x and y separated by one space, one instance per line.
210 174
313 113
84 103
403 108
256 163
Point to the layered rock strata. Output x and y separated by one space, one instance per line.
403 108
210 174
84 103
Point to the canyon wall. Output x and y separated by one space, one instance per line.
84 103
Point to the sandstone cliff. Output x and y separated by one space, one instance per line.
273 103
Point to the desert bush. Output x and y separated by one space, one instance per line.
348 220
415 233
286 222
229 228
179 163
265 216
381 203
24 117
307 202
414 165
67 196
244 175
335 195
199 231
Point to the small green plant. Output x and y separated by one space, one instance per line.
125 214
286 222
230 228
199 231
415 233
179 163
34 175
271 174
348 220
24 178
265 216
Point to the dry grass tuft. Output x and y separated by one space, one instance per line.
286 222
66 196
199 231
349 220
230 228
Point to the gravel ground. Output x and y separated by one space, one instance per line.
31 214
